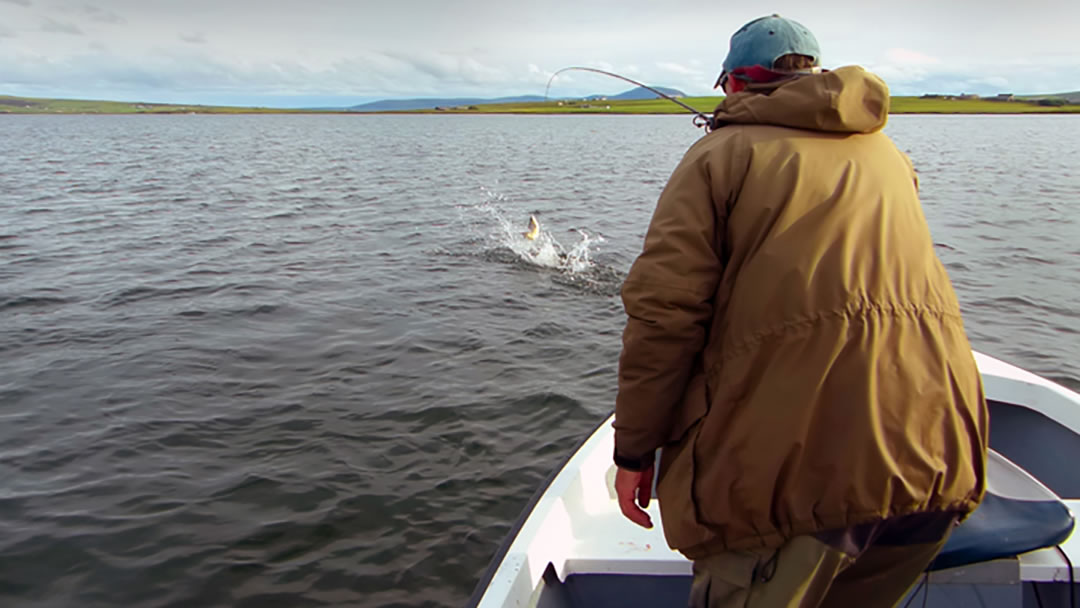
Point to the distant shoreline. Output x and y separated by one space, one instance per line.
599 106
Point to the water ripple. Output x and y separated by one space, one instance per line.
260 360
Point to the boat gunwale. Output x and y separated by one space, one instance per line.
498 558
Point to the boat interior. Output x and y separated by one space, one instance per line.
573 547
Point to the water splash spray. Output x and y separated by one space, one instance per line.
508 232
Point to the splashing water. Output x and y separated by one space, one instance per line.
545 250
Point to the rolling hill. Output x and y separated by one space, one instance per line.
404 105
1073 97
634 101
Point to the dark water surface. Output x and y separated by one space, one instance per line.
308 360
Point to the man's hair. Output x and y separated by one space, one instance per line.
793 63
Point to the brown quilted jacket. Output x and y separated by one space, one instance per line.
793 342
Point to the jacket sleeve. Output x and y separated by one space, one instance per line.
668 297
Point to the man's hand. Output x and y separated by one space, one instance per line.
630 485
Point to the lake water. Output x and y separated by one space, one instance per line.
308 360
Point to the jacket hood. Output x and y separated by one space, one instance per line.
845 100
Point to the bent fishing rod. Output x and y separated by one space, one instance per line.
700 120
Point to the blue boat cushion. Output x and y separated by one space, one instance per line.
1004 527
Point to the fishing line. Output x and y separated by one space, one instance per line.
1072 579
922 583
700 120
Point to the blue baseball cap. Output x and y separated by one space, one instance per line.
764 40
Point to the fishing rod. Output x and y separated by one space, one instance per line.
700 120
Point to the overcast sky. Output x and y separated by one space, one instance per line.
339 52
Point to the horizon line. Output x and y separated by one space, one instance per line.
493 99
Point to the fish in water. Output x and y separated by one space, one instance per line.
534 229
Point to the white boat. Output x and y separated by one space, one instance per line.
573 547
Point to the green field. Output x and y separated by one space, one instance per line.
919 105
640 106
899 105
28 105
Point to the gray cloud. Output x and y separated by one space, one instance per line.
447 68
372 74
985 81
101 15
58 27
206 49
198 75
154 73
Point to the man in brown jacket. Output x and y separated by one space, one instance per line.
796 348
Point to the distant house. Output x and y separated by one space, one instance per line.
968 96
1005 97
